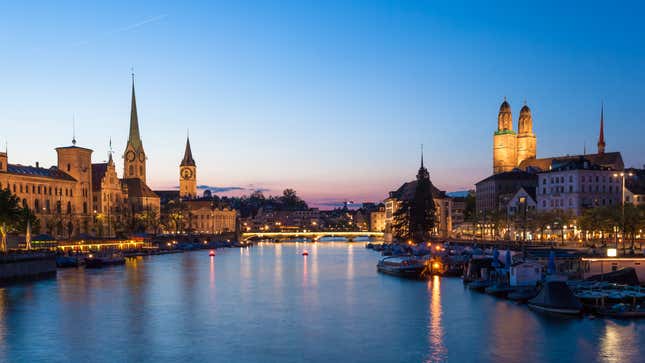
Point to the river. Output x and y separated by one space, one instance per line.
270 304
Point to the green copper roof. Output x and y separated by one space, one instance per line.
505 132
134 138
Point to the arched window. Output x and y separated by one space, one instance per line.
131 169
36 206
84 207
24 203
58 207
69 207
69 167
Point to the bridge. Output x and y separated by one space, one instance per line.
312 235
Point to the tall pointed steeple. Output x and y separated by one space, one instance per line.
423 172
188 155
134 165
134 138
601 137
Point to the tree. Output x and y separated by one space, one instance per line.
28 217
9 215
290 201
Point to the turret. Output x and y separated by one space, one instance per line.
526 140
504 141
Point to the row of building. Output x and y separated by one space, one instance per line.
571 183
78 197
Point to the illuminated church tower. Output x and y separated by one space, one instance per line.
134 165
504 141
526 140
188 174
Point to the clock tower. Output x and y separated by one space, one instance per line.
187 174
134 158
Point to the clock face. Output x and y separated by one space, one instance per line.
186 173
142 157
130 155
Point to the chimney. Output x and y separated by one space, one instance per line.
37 165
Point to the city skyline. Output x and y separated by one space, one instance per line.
343 131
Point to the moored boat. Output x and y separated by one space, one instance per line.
402 266
556 297
93 261
69 261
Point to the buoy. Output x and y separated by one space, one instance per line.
305 253
212 253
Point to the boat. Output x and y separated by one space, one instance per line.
480 285
305 253
556 297
523 294
92 261
623 311
69 261
624 276
402 266
499 290
211 253
477 268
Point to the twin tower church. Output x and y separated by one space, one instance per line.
517 150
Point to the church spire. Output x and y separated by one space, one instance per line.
188 155
422 156
134 138
601 137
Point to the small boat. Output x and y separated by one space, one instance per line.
69 261
556 297
305 253
211 253
522 294
402 266
623 311
480 285
499 290
93 261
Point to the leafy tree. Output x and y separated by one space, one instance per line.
9 215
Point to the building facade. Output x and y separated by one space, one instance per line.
494 192
75 196
185 212
576 186
378 220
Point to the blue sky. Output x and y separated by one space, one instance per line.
331 98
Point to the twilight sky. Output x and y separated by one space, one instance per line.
332 98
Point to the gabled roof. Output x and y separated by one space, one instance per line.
51 173
138 189
406 191
511 175
612 160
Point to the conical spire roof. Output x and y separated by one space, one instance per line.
188 155
601 136
134 138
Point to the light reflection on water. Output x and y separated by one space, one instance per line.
271 304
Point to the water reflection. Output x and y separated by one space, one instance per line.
616 341
329 306
435 329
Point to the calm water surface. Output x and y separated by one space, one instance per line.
270 304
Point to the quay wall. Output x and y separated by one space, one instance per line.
24 267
